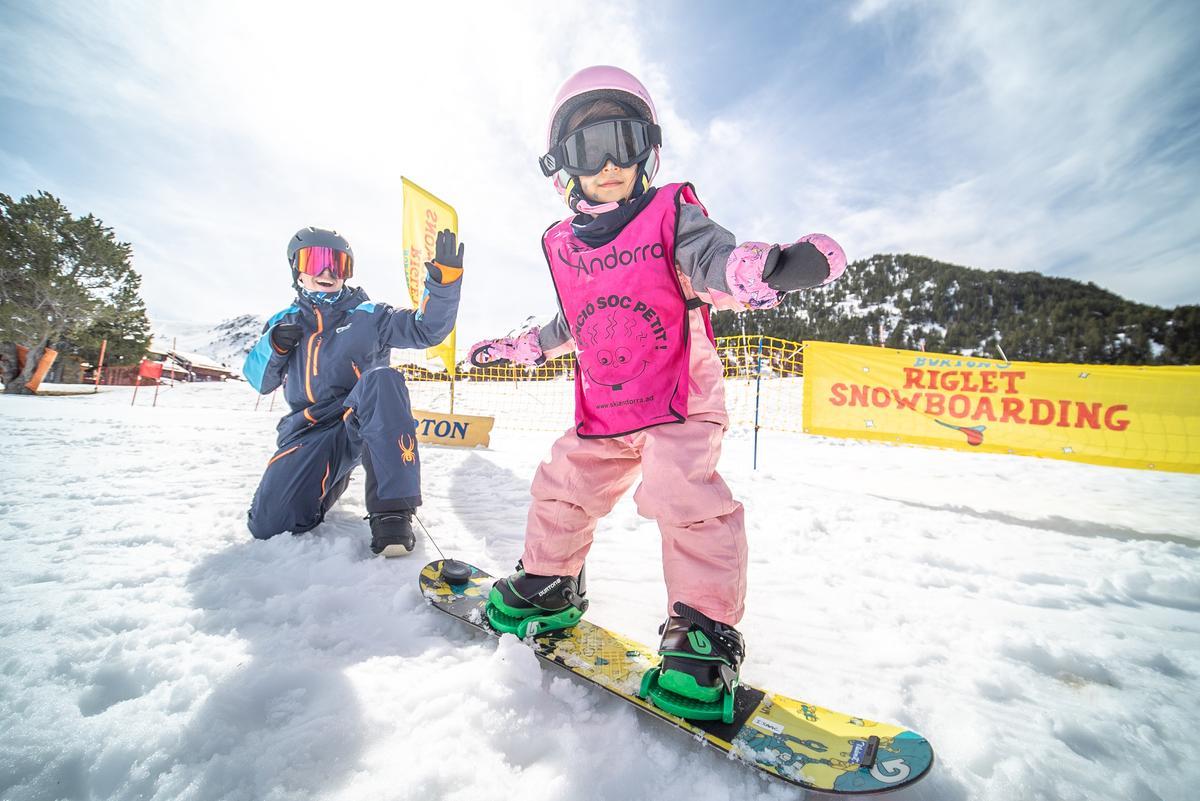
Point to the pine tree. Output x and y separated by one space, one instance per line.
64 281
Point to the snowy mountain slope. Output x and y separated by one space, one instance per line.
1039 621
227 342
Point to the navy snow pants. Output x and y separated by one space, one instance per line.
311 467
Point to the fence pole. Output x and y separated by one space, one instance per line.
100 364
757 390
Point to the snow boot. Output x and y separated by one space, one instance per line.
701 661
526 604
392 533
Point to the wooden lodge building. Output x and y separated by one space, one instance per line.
177 366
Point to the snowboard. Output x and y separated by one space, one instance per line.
798 742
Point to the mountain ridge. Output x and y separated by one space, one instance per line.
914 303
227 342
909 302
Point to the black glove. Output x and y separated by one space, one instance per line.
447 254
801 266
285 337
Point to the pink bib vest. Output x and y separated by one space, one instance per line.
628 315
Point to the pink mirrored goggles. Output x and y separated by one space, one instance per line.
316 260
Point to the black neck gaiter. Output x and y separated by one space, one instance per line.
600 230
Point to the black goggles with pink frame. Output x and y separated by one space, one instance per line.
586 150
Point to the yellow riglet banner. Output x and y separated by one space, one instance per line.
1143 417
424 216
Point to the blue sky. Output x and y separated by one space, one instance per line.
1062 138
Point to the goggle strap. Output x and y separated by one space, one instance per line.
654 135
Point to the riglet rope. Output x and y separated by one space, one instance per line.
427 534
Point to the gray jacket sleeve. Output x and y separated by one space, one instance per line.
702 249
554 334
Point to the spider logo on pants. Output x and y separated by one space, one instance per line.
408 449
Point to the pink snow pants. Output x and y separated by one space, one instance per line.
703 529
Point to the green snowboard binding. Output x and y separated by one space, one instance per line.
699 672
525 604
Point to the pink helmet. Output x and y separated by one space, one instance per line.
597 83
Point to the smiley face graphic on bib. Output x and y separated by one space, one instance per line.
619 342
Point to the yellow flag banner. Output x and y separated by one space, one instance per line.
424 216
1143 417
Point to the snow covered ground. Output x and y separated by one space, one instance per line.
1038 621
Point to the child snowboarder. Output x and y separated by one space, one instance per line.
330 350
636 269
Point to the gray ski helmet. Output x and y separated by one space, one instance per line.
314 237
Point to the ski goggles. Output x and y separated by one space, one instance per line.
585 151
316 260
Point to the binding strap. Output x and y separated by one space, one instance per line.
718 633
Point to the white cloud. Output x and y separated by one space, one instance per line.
1030 138
1070 100
1050 137
864 10
229 126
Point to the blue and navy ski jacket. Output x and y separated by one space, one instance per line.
341 341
